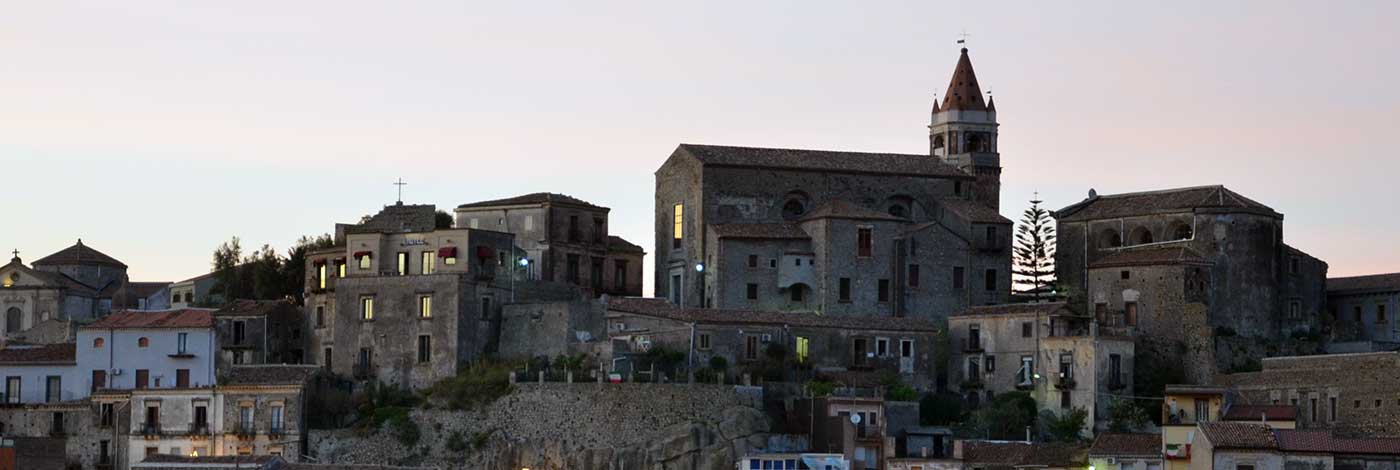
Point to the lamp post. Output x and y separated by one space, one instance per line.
521 262
700 275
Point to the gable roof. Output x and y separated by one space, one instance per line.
1123 444
46 354
662 308
619 244
1150 257
822 160
1259 413
131 319
399 218
973 211
1042 308
1368 283
1161 201
760 231
1008 454
963 91
81 255
531 199
1237 435
839 209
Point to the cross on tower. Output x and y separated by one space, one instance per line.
962 39
400 184
16 252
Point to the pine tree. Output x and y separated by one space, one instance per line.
1035 251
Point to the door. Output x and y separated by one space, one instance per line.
182 378
99 379
906 356
858 352
142 375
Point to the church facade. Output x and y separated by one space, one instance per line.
843 233
76 283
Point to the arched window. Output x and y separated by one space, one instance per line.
1141 236
1181 231
97 343
14 320
793 209
143 342
938 145
1109 239
976 142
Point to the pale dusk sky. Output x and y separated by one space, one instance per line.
155 130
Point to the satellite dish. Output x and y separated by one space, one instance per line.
855 419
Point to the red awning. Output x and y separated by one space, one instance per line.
319 262
447 252
361 254
484 252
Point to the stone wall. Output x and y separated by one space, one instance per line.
550 329
1351 393
574 426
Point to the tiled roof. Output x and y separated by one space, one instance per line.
1184 389
49 353
1019 454
1236 435
399 218
1149 257
1321 441
1373 282
616 243
963 91
1163 201
533 198
973 211
246 307
1046 308
664 309
1240 412
766 231
823 160
79 254
271 374
1113 444
182 318
838 209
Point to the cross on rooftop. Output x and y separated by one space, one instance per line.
400 184
962 39
16 252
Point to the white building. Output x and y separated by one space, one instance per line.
40 374
137 350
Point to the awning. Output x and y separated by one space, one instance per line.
340 260
319 262
361 254
447 252
484 252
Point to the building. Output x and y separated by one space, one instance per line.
40 374
1142 260
1353 394
841 233
259 332
198 291
1274 416
1240 446
1044 349
403 302
138 349
565 239
1183 408
856 351
1114 451
854 427
793 461
1363 308
1008 455
77 283
264 410
922 448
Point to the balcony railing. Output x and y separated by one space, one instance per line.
199 429
869 431
1116 384
150 429
277 430
972 345
246 431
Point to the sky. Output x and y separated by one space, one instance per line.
156 130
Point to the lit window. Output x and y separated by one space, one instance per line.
366 308
425 306
677 226
321 275
428 261
364 261
403 263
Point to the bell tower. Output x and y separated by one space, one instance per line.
962 132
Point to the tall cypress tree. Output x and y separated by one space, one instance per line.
1034 252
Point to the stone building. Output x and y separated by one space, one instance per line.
77 283
840 232
856 351
1352 394
405 303
1045 349
196 292
564 239
1363 308
259 332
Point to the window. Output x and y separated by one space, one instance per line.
991 364
53 389
882 347
245 419
598 231
1332 408
320 316
277 419
753 261
1066 366
364 261
425 351
97 343
884 295
239 332
12 389
366 358
675 290
704 341
845 289
792 209
321 275
864 242
991 280
1244 467
425 306
181 340
1130 313
326 358
402 263
572 274
958 277
1356 404
1065 399
237 357
367 308
182 378
906 348
1293 265
1115 369
1026 329
1380 314
106 415
189 297
427 262
752 291
751 347
620 274
1356 311
1027 370
677 227
913 275
143 342
595 273
573 228
992 237
340 268
772 262
99 379
142 378
803 348
1202 411
1295 309
1125 275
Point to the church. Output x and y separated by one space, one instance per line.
837 232
76 283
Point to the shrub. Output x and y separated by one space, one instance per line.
719 363
819 388
474 386
1067 427
456 442
901 392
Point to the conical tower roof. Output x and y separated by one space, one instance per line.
963 92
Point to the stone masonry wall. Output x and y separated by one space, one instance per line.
584 425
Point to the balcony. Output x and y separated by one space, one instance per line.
1025 383
870 432
277 431
1116 384
246 431
199 429
972 345
1177 451
150 430
363 371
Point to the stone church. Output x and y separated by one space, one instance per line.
838 232
76 283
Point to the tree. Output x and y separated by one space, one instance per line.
1035 251
294 267
226 258
1067 427
442 220
940 409
1006 417
1125 416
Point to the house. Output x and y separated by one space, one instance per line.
1122 451
1363 308
1238 446
1351 393
1183 408
40 374
264 410
852 426
198 291
259 332
140 349
75 283
922 448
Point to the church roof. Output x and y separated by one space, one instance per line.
973 211
963 92
531 199
79 254
399 218
822 160
838 209
46 354
1109 206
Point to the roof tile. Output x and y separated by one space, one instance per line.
135 319
1373 282
49 353
1240 412
1150 257
530 199
78 254
1115 444
1237 435
1162 201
